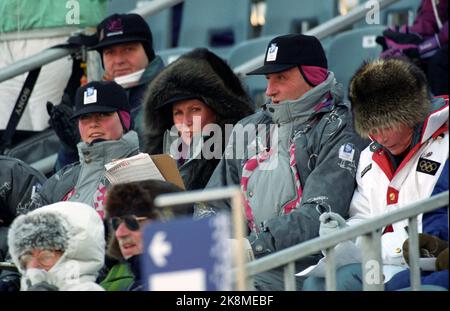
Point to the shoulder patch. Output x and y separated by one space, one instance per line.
427 166
366 169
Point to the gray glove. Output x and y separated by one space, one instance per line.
331 222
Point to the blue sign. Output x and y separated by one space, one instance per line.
187 254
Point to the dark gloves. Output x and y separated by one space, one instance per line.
65 128
429 246
398 42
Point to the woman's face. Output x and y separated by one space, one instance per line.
100 125
396 140
190 117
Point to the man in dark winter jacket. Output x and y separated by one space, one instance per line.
300 160
18 181
192 95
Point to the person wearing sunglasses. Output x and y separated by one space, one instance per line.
129 208
58 247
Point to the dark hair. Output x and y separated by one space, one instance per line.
137 198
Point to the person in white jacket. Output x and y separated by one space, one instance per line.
58 247
393 106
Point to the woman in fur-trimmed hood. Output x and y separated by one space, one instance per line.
197 81
58 247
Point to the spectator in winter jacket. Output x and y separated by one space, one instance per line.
18 181
296 158
392 105
103 115
129 207
58 247
187 108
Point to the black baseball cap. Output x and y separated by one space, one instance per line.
178 97
288 51
124 28
100 96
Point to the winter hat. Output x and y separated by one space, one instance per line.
124 28
47 231
386 93
103 96
295 50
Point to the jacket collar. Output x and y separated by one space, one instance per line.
309 104
109 150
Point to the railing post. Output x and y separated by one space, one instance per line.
372 265
238 225
289 277
330 276
414 268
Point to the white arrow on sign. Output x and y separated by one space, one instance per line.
159 249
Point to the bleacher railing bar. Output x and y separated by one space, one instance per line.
370 230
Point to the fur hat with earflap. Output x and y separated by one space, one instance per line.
37 231
387 93
199 74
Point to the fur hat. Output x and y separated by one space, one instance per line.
197 74
47 231
387 93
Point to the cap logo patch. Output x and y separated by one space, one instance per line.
115 27
272 52
90 96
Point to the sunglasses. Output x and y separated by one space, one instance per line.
131 222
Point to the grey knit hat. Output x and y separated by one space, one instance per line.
47 231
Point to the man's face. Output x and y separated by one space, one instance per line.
396 140
130 241
123 59
286 85
100 125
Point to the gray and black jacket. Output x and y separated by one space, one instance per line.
18 181
80 181
327 176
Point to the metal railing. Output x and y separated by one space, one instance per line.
322 31
370 230
49 55
233 193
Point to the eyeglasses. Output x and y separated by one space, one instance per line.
45 258
131 222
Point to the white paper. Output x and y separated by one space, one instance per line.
345 253
135 168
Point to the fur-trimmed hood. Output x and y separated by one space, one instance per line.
200 73
386 93
72 227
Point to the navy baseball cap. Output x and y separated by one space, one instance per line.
100 96
124 28
293 50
